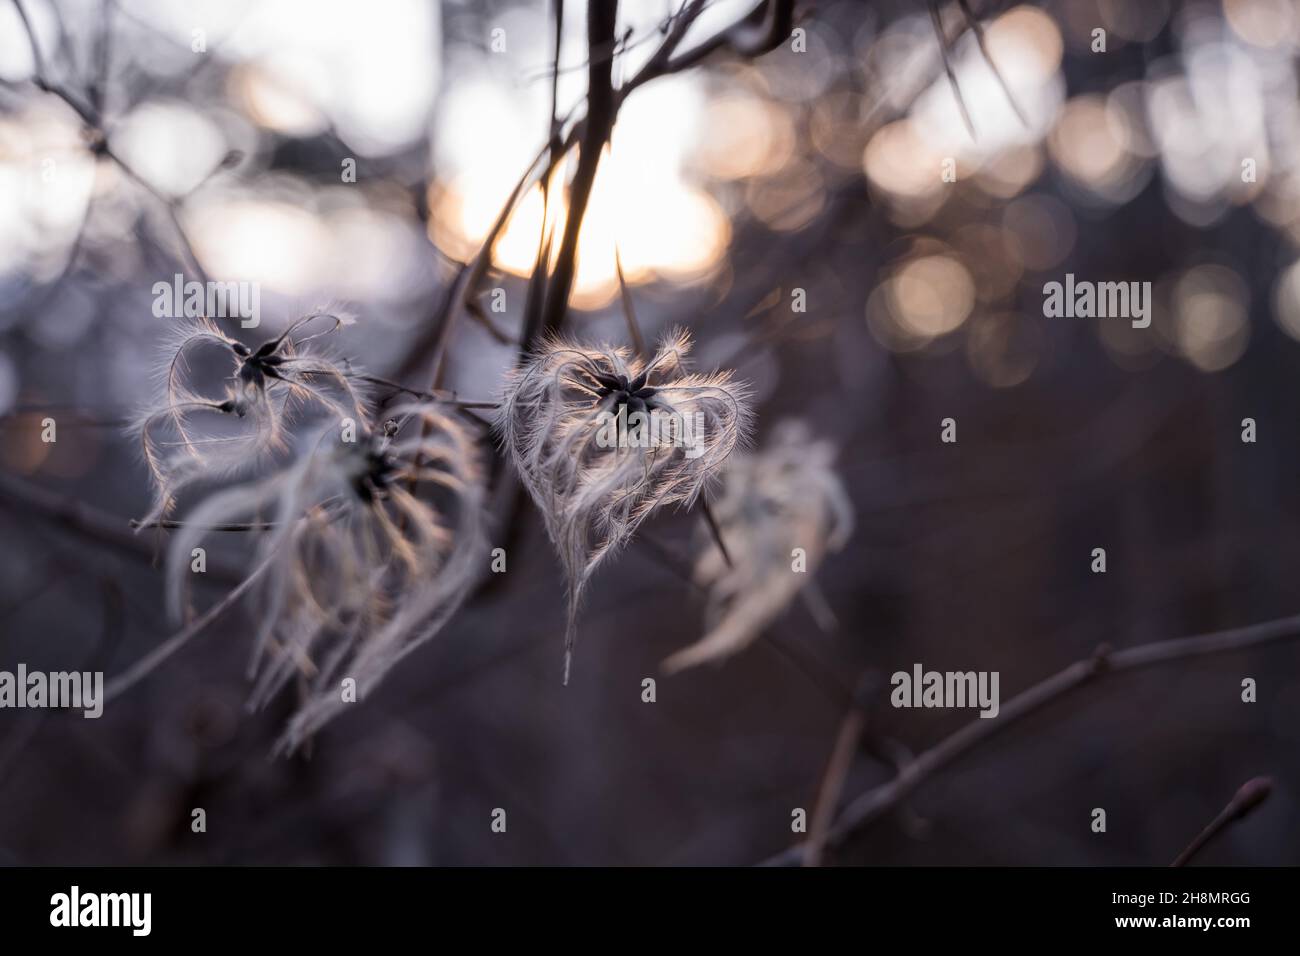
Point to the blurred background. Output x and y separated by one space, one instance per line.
152 135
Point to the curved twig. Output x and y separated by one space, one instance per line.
870 806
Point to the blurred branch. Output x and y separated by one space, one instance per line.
759 32
147 664
170 524
715 530
833 780
977 28
602 108
629 309
86 521
756 33
94 120
870 806
945 52
1248 796
77 516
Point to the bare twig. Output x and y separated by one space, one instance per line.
602 107
147 664
87 522
870 806
171 524
833 780
945 52
761 31
715 530
1249 796
93 119
433 395
977 28
629 310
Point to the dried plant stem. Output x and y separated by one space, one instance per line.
945 51
147 664
870 806
77 516
715 530
92 118
1248 796
629 309
602 107
88 522
977 28
433 395
837 773
171 524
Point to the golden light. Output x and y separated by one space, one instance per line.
1011 171
667 230
901 162
1265 23
745 136
1083 143
1210 317
270 242
931 296
1026 45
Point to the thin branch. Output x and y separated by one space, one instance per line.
171 524
945 52
629 311
977 28
715 530
837 772
95 121
602 108
759 32
1248 796
147 664
87 521
870 806
169 205
37 58
433 395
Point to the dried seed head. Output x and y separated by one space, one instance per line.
191 432
601 439
785 496
372 546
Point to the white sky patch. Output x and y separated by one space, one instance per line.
171 145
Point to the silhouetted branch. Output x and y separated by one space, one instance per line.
91 116
146 665
1249 796
870 806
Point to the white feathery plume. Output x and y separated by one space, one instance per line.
568 418
187 435
783 497
372 546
